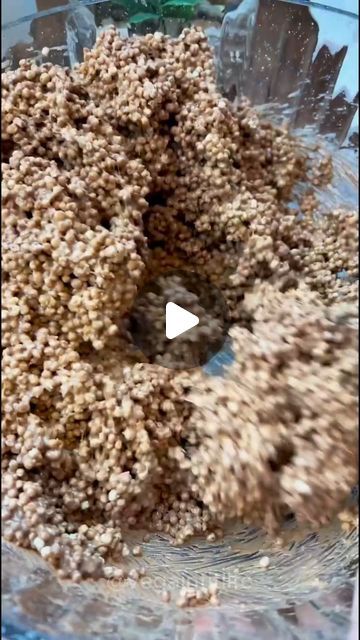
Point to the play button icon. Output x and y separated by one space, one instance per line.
178 320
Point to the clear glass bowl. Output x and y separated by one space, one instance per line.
296 61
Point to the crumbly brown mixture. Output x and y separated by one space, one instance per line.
190 597
284 416
130 164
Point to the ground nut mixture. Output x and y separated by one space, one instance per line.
129 165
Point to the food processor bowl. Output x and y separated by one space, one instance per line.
297 63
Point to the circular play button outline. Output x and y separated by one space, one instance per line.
179 320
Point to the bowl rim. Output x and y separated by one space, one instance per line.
78 4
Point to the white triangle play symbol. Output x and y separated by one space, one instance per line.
178 320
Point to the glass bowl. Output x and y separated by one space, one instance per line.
297 62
